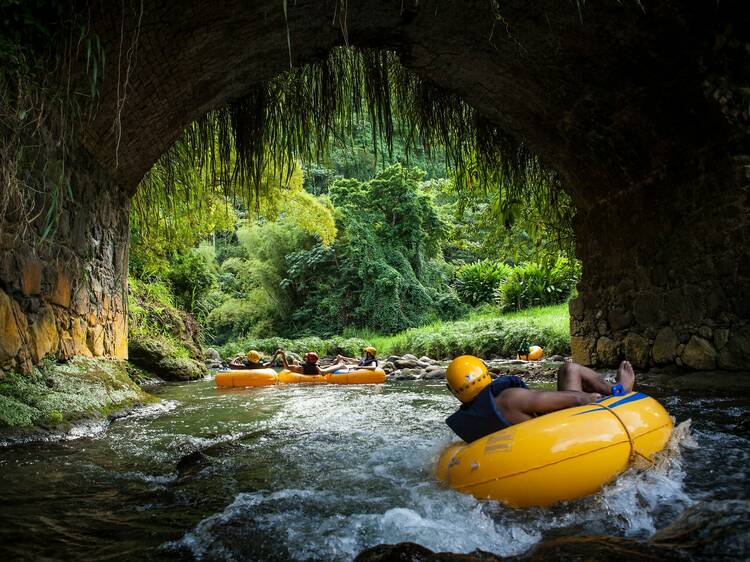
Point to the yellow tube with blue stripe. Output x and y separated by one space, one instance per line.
559 456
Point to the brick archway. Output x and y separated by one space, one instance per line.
612 96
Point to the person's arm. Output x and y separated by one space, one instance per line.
521 404
236 363
344 359
288 367
269 363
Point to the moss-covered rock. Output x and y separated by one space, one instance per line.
164 360
55 393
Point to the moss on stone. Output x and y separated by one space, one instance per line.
56 393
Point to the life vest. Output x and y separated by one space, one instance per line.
310 368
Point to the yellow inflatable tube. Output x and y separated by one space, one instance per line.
246 377
559 456
361 376
290 377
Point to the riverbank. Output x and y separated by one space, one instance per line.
485 333
56 395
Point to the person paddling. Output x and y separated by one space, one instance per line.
489 406
310 366
368 362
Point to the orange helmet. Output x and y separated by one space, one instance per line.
311 357
466 377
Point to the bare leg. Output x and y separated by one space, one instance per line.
573 376
626 376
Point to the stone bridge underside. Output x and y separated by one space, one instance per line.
612 96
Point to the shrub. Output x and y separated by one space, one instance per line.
476 283
191 277
537 285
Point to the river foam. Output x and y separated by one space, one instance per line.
355 470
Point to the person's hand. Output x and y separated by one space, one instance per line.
593 397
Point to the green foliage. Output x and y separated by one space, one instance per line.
382 271
537 285
295 114
485 336
191 276
476 283
152 315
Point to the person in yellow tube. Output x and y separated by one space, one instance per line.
310 366
368 362
491 405
253 360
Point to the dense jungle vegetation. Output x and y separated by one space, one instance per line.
358 247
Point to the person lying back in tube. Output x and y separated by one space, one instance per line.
491 405
368 362
310 365
253 360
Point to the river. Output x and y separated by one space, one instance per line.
320 472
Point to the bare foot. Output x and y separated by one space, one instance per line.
626 376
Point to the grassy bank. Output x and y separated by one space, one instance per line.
484 333
57 393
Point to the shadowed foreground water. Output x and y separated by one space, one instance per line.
320 472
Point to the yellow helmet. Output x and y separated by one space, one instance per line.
371 350
253 356
466 377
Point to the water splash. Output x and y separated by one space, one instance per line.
388 496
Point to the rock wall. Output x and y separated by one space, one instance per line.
65 294
667 273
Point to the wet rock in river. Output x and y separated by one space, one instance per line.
158 358
562 548
435 374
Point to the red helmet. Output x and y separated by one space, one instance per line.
311 357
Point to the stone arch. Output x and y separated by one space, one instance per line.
612 96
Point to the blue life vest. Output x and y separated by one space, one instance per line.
480 417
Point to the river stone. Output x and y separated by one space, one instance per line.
212 355
607 351
425 359
699 354
737 347
404 375
435 374
552 549
389 367
409 356
665 344
406 363
158 358
433 368
636 350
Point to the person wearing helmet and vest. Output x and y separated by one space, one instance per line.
368 362
491 405
252 360
310 366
